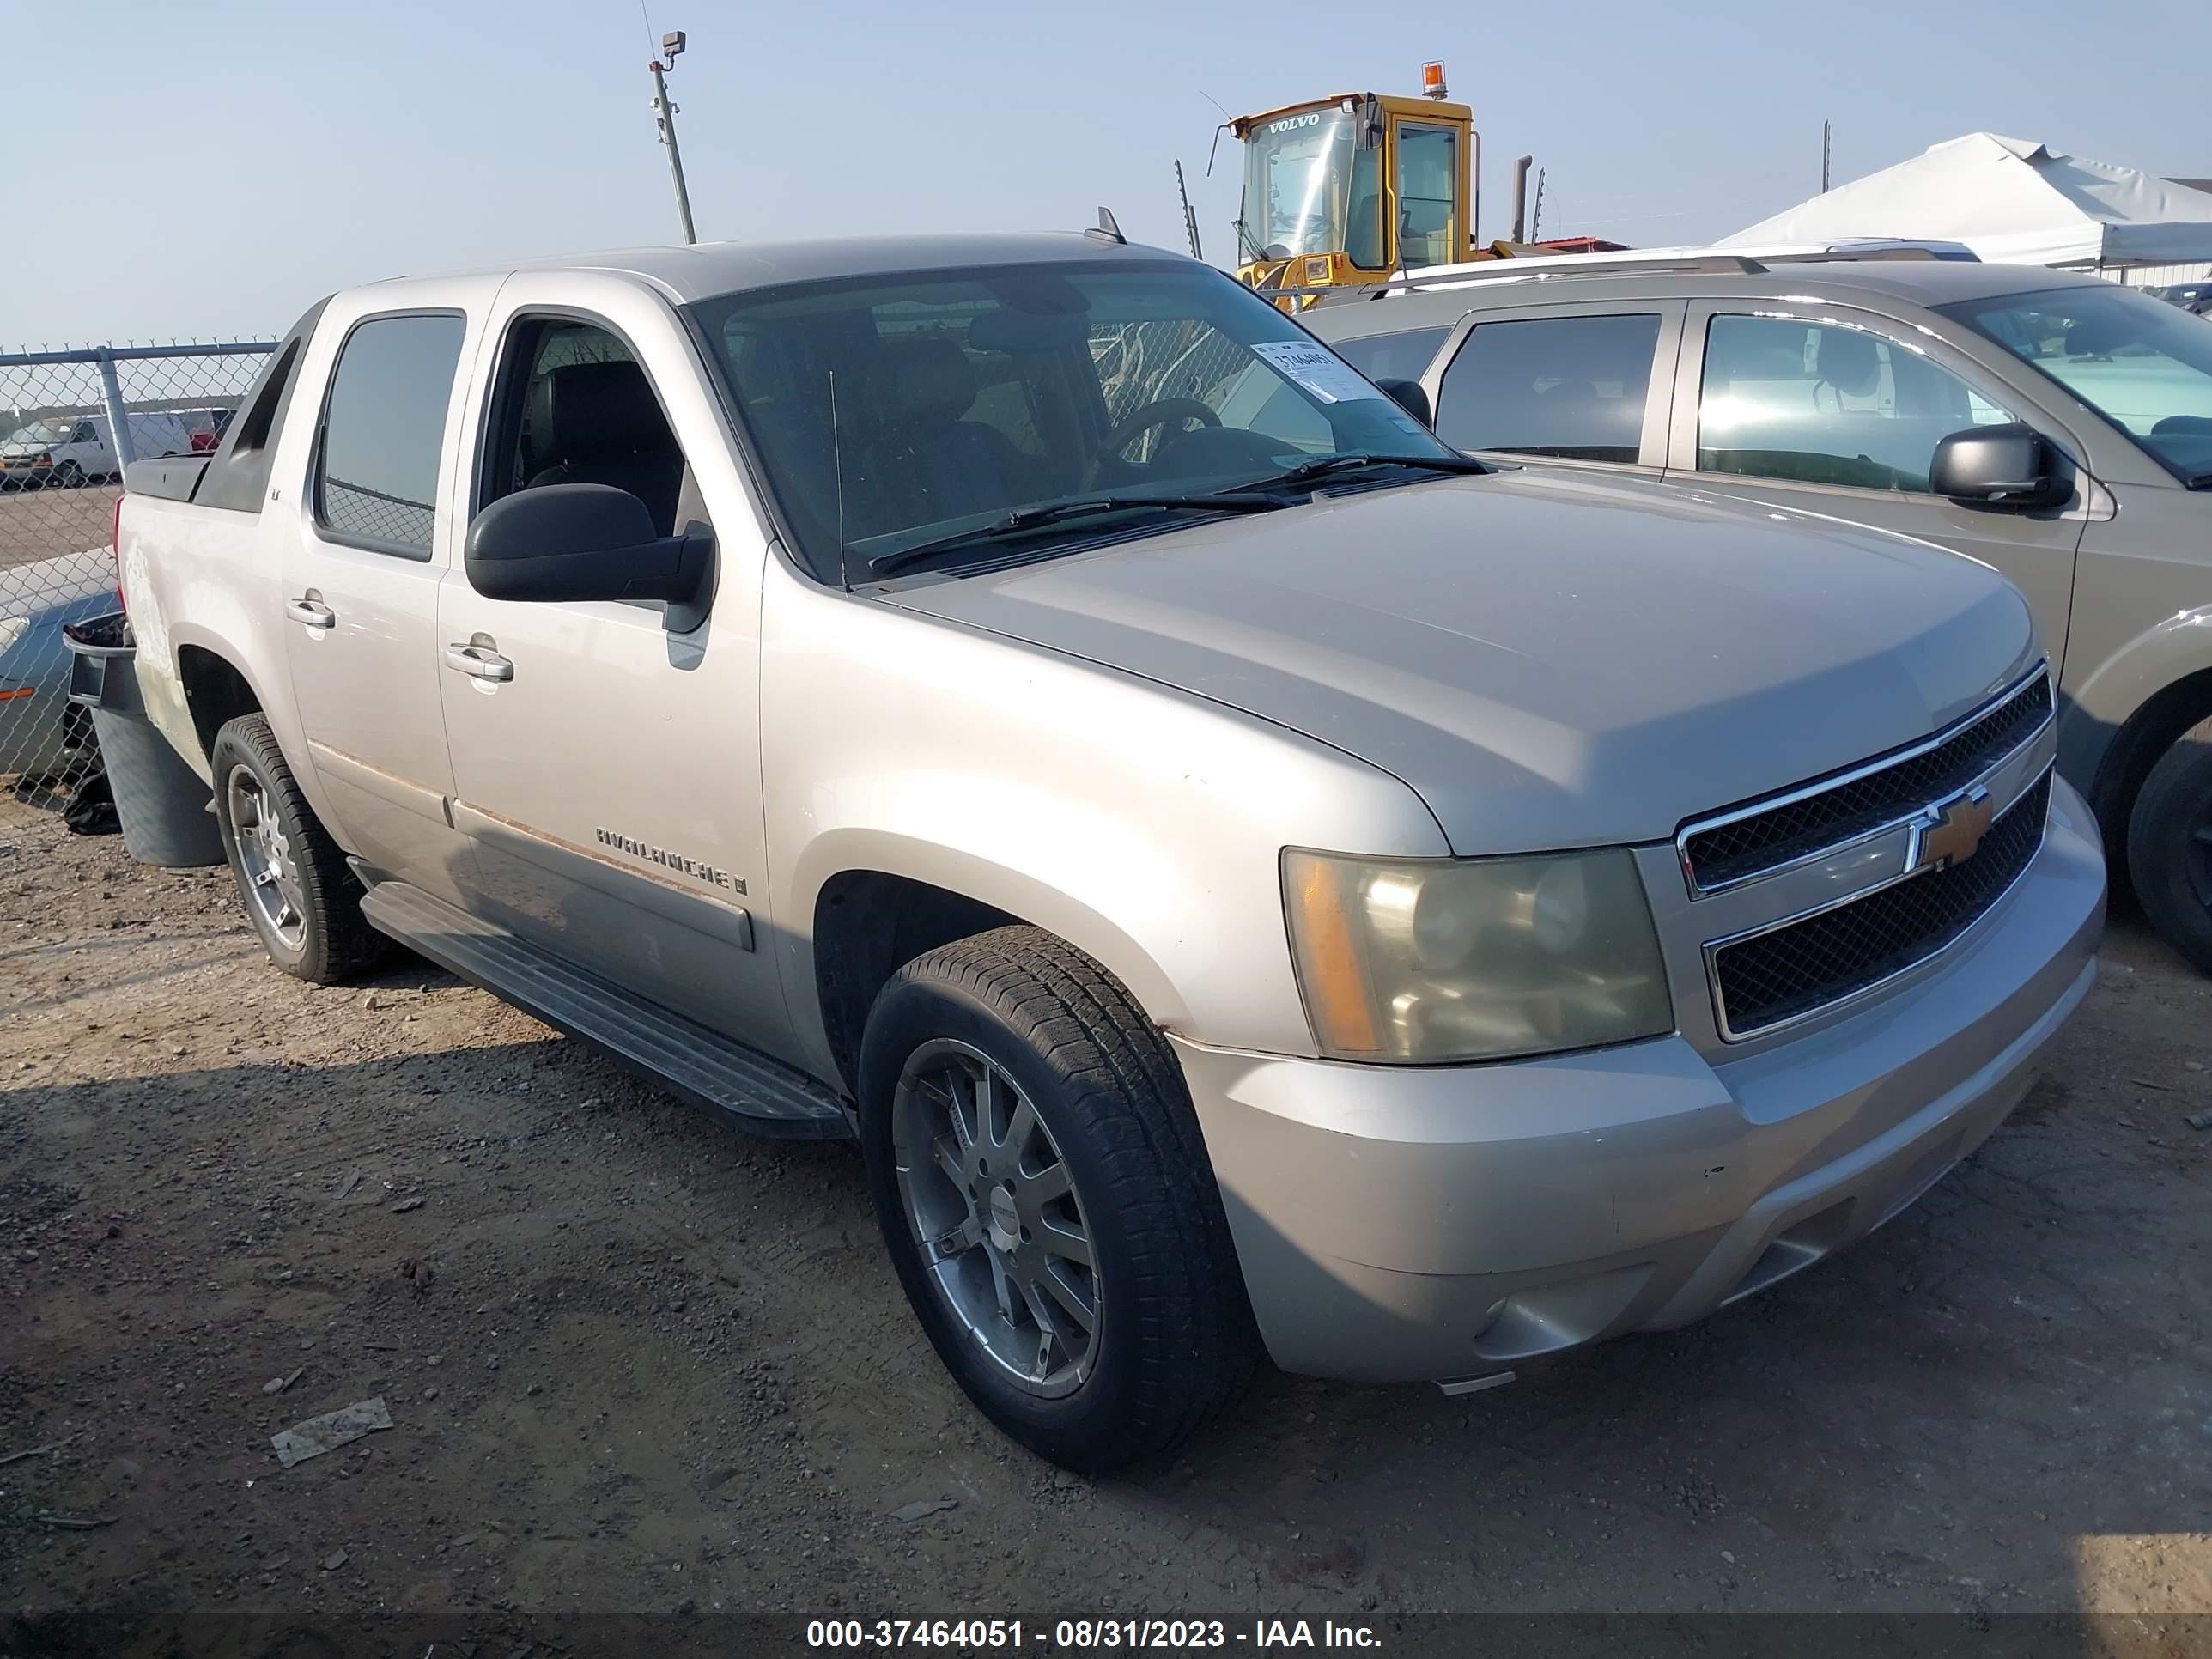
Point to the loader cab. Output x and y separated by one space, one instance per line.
1348 188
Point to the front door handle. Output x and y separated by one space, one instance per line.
478 662
312 612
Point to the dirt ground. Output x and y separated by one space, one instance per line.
633 1361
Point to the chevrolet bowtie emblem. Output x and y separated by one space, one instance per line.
1950 832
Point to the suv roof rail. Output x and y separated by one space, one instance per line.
1689 261
1532 271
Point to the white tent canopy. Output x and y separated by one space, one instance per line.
2013 202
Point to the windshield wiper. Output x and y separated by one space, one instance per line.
1023 519
1322 466
2198 481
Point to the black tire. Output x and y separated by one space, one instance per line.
336 941
2169 845
69 476
1175 1340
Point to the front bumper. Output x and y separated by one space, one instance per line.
1446 1223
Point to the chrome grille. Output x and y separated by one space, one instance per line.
1756 840
1775 976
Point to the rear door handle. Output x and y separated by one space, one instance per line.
479 662
312 612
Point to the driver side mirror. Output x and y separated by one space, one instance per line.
583 541
1409 397
2009 466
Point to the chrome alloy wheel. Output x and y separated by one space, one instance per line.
994 1211
264 854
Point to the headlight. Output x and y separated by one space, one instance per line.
1426 960
13 628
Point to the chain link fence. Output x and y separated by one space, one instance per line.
69 422
1139 363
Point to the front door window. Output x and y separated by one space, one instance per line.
1826 403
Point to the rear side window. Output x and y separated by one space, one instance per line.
1570 387
1402 356
384 433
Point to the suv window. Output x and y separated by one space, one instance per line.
573 405
86 433
1400 356
1826 403
383 432
1571 387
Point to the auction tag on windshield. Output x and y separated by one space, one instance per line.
1314 368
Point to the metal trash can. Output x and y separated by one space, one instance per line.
161 802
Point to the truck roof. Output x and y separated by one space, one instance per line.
688 274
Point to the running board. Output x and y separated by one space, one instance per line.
758 1094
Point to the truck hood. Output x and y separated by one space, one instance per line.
1548 659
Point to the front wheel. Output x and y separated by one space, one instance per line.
2169 845
1046 1200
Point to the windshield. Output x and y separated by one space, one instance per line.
2145 367
43 432
893 410
1305 186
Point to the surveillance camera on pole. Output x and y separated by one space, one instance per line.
671 45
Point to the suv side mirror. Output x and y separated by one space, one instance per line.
583 541
2007 466
1409 397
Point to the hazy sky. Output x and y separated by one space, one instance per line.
210 168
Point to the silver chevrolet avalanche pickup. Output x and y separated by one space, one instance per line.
1251 878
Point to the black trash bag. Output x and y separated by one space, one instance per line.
91 808
108 633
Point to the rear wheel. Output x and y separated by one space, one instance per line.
298 893
1047 1201
2169 845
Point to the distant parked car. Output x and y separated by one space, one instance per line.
2190 297
69 451
41 734
208 438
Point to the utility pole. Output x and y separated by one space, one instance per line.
1824 158
663 115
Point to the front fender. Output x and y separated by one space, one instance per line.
1143 824
1036 897
2096 708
